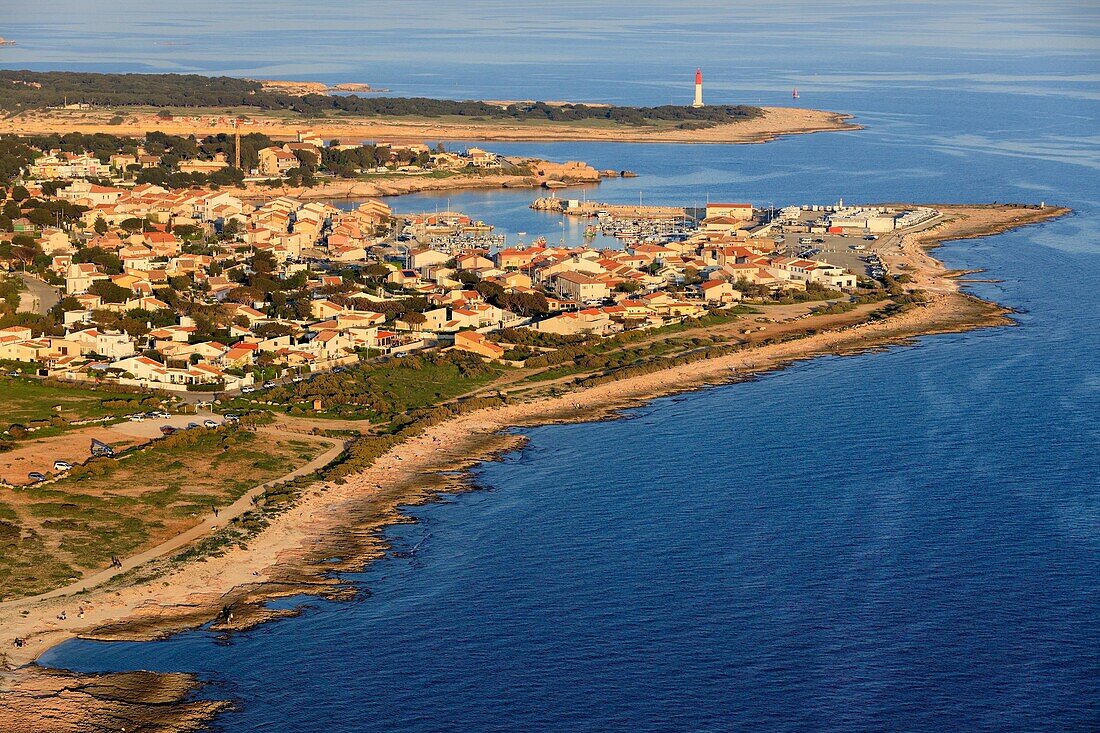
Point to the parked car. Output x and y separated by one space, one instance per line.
62 466
137 418
101 449
230 417
36 476
268 384
193 425
247 390
167 429
209 424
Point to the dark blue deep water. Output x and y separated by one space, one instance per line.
905 540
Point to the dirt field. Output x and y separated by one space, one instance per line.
72 446
56 531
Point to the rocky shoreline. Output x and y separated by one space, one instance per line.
345 520
544 174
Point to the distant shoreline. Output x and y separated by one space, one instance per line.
774 122
292 556
183 104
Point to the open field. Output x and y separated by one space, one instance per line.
52 533
42 422
377 392
26 400
774 122
39 453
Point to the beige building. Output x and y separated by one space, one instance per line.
79 277
205 167
719 291
475 343
276 161
590 320
734 211
580 287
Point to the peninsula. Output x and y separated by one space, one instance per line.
465 340
178 104
216 383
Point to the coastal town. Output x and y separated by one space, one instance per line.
229 352
198 290
140 319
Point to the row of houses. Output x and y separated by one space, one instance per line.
584 289
274 161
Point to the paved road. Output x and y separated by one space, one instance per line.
39 297
208 524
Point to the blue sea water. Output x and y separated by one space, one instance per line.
902 540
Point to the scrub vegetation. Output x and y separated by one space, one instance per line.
52 533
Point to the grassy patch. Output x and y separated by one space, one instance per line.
380 391
51 407
111 507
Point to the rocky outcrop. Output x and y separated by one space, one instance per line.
54 700
572 171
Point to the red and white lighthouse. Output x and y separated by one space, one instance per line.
698 89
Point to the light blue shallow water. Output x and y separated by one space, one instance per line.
906 540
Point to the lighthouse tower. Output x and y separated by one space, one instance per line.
698 89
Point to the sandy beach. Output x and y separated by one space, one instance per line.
775 122
345 519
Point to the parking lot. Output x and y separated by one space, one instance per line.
73 446
848 251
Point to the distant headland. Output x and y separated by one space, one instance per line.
59 102
302 88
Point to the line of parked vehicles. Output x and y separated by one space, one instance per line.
207 423
877 267
152 415
295 379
